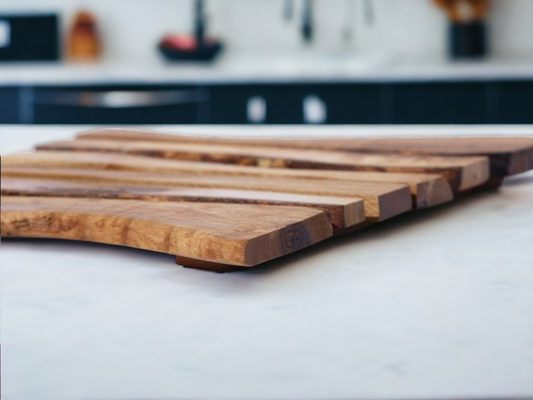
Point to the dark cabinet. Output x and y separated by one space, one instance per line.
468 102
9 105
119 105
515 103
440 103
63 114
284 103
347 103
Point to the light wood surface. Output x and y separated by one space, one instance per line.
461 172
381 201
237 234
508 155
343 212
427 190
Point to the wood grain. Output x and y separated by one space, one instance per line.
237 234
343 212
507 155
461 172
427 190
381 201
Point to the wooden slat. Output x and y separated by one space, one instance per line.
463 173
508 155
428 190
237 234
343 212
382 201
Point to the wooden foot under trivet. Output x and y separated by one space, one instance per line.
344 231
206 265
492 183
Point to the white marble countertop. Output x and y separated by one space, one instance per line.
301 67
435 304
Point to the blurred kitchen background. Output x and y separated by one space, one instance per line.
266 62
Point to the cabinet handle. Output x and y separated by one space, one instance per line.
117 99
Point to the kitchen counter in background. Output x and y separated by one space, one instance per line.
306 67
304 88
434 304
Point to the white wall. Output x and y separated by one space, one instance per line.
405 28
512 27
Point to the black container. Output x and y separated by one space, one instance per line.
205 52
31 38
467 40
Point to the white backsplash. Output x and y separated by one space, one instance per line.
410 29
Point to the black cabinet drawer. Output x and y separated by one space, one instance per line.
229 104
515 102
284 103
51 114
119 105
9 105
440 103
348 103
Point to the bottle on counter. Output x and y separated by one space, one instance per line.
84 44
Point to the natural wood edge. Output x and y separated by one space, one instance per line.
492 183
342 211
371 201
427 190
520 162
127 162
475 174
503 161
395 203
164 227
293 237
431 193
462 172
